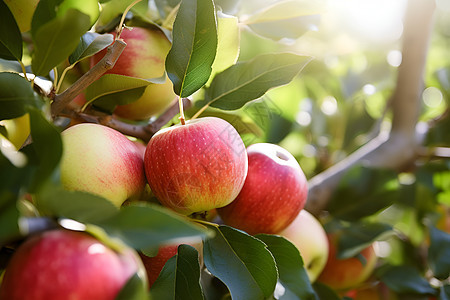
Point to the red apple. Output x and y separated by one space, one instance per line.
349 273
310 238
100 160
197 166
273 194
62 264
144 57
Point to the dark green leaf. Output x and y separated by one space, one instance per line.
189 61
291 271
405 279
47 146
45 11
180 277
80 206
90 44
109 102
242 262
134 289
364 191
57 39
10 37
444 292
15 94
324 292
249 80
144 226
439 253
9 222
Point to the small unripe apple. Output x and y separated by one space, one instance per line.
310 238
196 167
62 264
274 192
102 161
348 273
143 57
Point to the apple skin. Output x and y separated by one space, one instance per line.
310 238
274 192
18 129
102 161
196 167
349 273
63 264
143 57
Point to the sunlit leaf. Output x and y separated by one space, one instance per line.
189 61
10 36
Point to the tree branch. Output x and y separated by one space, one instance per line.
107 62
399 147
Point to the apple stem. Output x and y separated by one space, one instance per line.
181 118
122 20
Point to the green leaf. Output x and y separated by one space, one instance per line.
364 191
10 36
46 145
144 226
9 222
405 279
88 7
15 94
438 253
134 289
286 19
324 292
90 44
194 46
242 262
180 277
45 11
444 292
57 39
293 276
246 81
80 206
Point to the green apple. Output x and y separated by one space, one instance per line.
310 238
102 161
17 129
143 57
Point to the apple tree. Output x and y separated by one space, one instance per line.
368 125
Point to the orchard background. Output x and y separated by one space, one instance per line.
357 91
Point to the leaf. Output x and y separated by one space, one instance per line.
242 262
405 279
10 36
290 266
180 277
246 81
57 39
80 206
134 289
9 222
438 253
286 19
324 292
15 94
90 44
444 292
194 46
364 191
144 226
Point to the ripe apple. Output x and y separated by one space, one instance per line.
310 238
17 129
63 264
349 273
143 57
274 192
102 161
197 166
154 264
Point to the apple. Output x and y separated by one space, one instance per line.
144 57
274 192
154 264
17 129
196 167
348 273
102 161
63 264
310 238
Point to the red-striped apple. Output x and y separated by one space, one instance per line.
196 167
273 194
63 264
102 161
